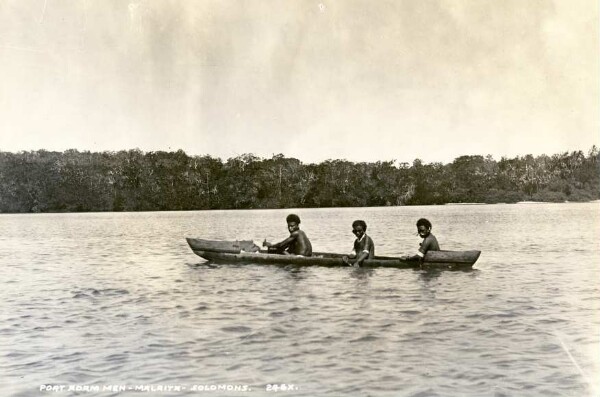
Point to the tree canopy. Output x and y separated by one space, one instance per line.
72 181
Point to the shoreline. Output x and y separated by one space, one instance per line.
293 209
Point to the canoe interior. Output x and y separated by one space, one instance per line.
222 245
246 251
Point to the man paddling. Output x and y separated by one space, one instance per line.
297 244
364 248
429 243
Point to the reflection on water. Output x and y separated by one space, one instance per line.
121 299
429 274
361 273
295 272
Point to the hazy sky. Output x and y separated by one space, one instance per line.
363 80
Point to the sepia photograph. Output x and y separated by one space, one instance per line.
385 198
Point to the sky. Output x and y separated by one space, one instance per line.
361 80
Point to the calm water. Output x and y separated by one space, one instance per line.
119 299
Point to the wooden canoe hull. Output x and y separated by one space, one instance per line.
235 252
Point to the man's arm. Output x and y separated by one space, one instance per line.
420 253
285 243
362 255
366 251
282 244
346 257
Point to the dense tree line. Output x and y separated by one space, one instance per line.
43 181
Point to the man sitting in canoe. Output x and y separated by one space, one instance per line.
429 243
364 248
297 244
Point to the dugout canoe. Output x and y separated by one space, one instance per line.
245 251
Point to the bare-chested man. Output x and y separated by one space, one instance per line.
297 244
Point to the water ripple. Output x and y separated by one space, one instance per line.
135 306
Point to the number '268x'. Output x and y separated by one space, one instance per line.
280 387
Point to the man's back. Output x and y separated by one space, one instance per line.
301 244
429 243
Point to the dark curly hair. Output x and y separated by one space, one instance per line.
292 218
424 222
359 223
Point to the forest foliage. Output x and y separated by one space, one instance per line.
73 181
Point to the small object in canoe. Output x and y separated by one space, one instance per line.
221 251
